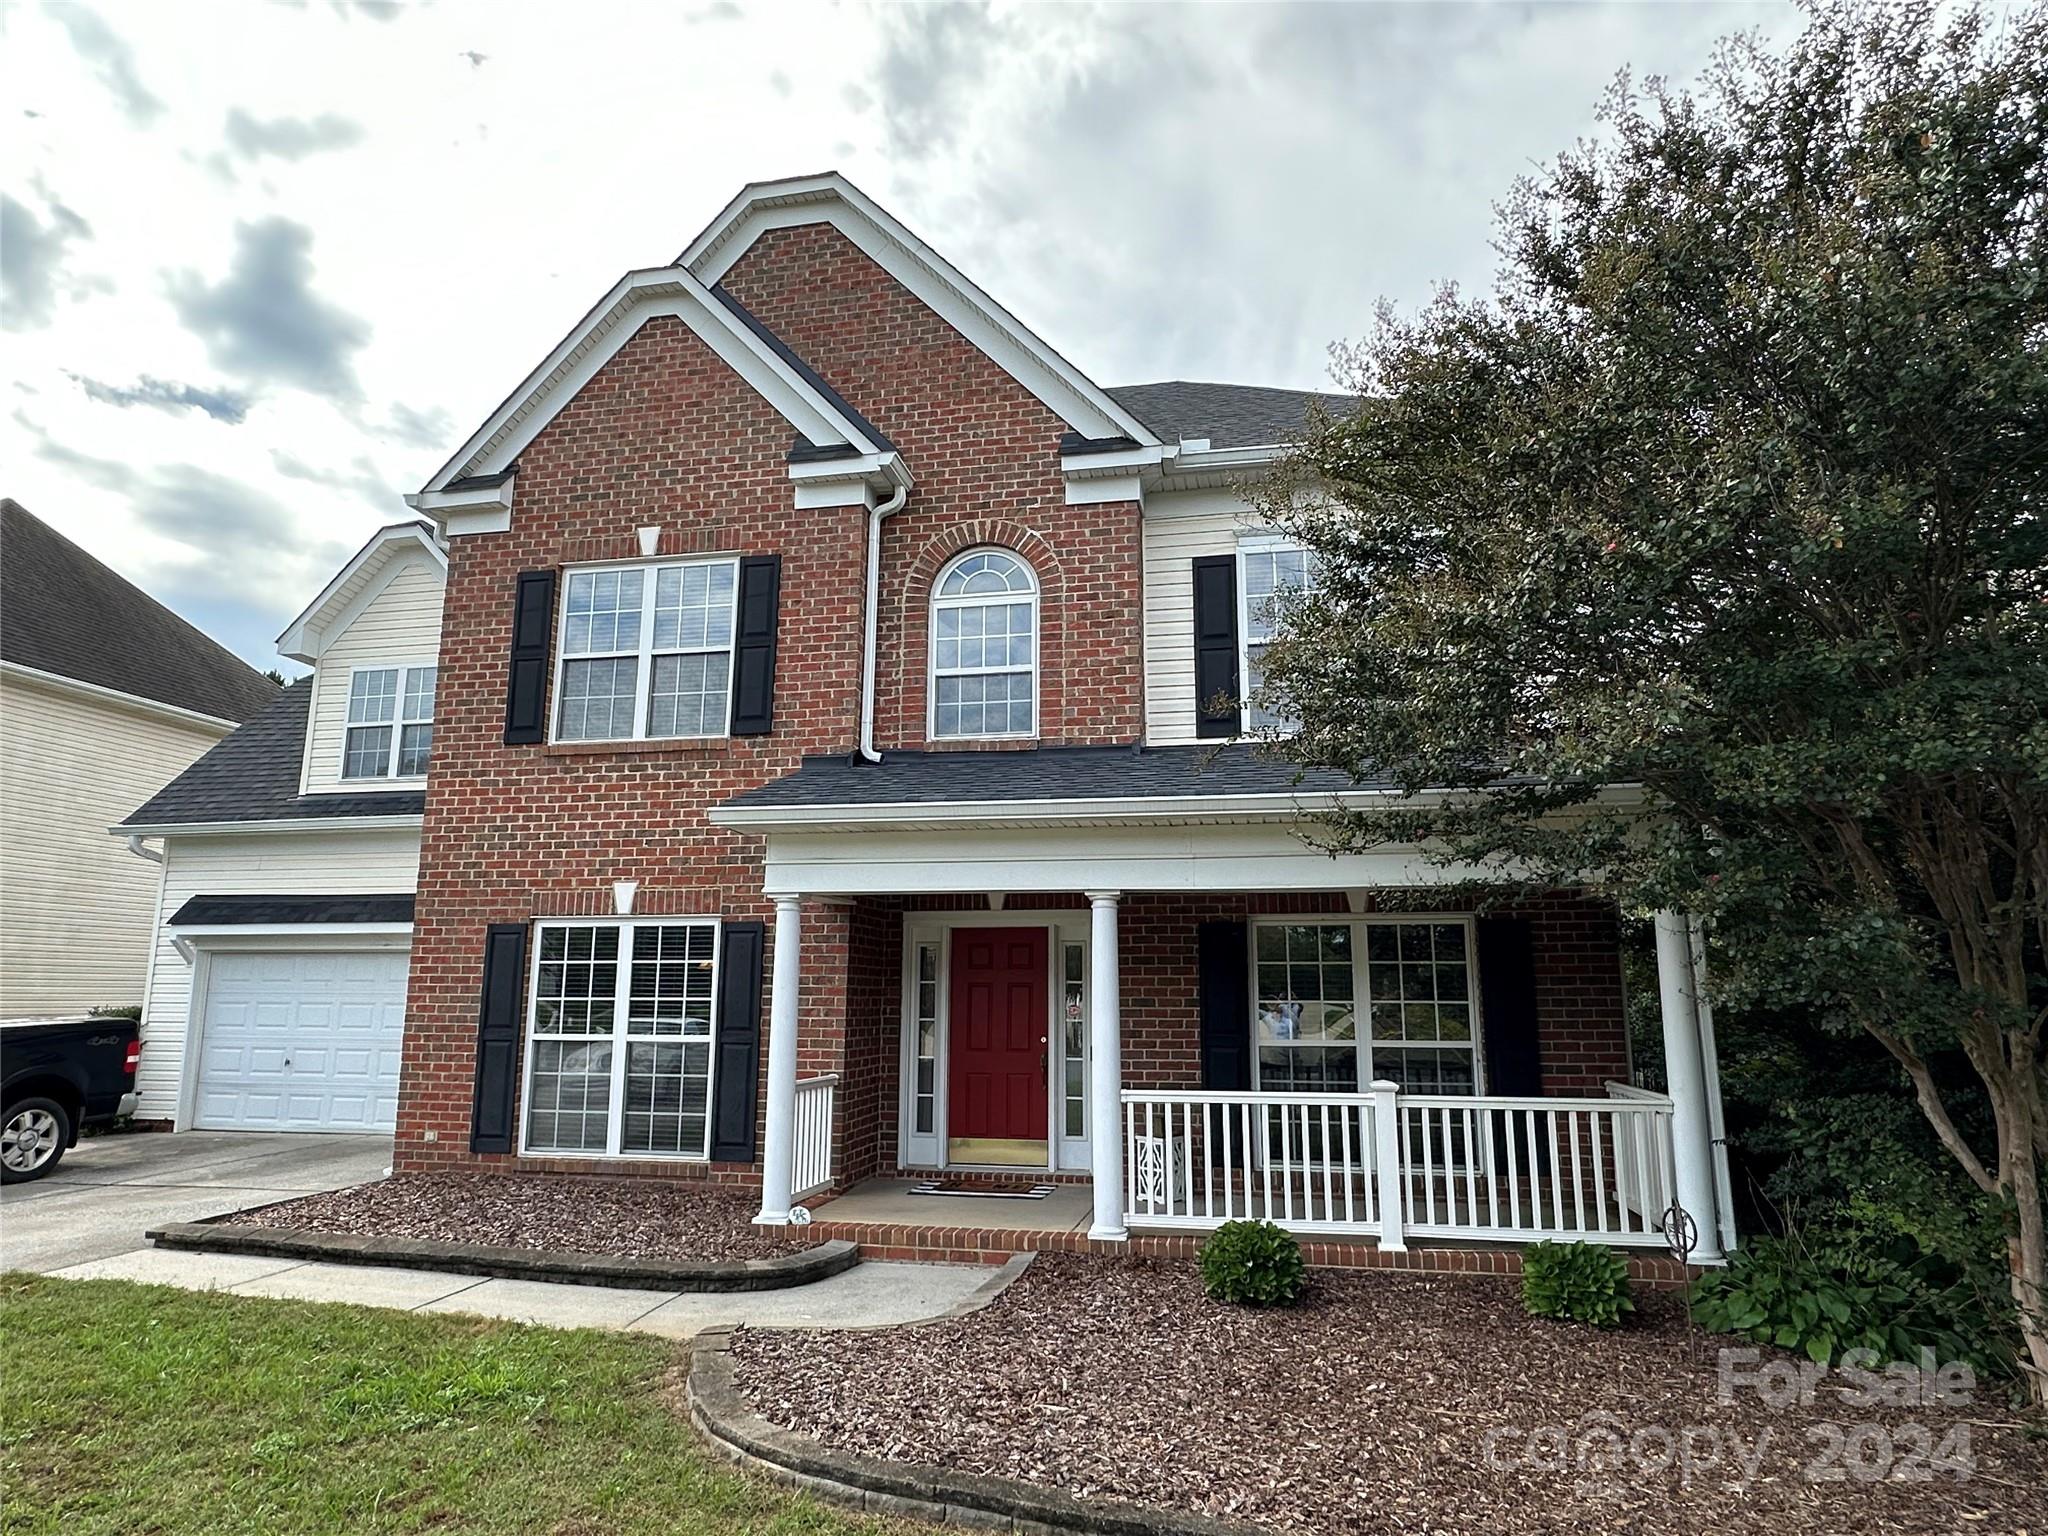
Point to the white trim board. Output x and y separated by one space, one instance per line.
57 682
1109 858
831 199
272 828
355 586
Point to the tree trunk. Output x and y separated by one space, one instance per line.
2017 1110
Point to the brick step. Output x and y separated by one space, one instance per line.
985 1245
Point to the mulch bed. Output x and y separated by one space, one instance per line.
1372 1407
628 1217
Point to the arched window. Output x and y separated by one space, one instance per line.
985 647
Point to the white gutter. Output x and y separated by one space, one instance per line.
77 688
135 847
1284 805
873 615
270 828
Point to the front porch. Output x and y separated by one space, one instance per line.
1242 1026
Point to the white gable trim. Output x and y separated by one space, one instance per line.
634 300
832 199
366 574
78 688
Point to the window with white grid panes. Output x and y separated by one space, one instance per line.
619 1054
984 648
646 651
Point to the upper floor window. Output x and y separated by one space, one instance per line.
1274 575
647 651
985 648
390 723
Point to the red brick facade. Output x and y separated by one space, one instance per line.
666 435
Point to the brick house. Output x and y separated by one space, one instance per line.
835 788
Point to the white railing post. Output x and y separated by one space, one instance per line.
1106 1068
778 1148
1386 1137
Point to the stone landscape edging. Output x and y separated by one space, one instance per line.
904 1490
804 1266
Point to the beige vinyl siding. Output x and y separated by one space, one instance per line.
1174 539
380 861
75 904
400 624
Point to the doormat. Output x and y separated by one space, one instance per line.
982 1191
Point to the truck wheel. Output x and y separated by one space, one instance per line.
33 1136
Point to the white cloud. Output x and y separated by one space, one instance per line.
427 196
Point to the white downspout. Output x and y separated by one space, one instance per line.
135 847
874 608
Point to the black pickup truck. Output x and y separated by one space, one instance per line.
57 1075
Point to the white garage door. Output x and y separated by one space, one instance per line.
302 1042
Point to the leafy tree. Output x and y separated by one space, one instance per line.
1733 491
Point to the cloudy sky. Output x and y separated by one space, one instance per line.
267 264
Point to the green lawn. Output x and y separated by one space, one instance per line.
128 1408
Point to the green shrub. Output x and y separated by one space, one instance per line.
1827 1299
129 1011
1581 1282
1253 1264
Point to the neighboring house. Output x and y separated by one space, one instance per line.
104 694
290 851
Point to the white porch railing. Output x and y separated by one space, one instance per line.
1391 1164
811 1164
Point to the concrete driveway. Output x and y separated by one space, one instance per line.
110 1188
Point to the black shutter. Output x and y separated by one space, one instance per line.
1223 990
497 1038
533 626
739 1041
753 651
1507 1003
1216 645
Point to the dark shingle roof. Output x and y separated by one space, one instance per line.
253 775
228 911
62 611
1050 773
1229 415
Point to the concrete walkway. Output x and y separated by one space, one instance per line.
866 1296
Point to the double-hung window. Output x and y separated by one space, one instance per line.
1340 1002
1273 576
390 727
646 651
619 1055
984 648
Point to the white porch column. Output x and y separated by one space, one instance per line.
778 1149
1692 1137
1106 1069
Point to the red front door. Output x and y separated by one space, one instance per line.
998 1028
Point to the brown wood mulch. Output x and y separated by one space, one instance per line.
632 1217
1389 1403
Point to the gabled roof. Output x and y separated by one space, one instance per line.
253 775
364 575
63 612
1228 415
832 199
819 417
